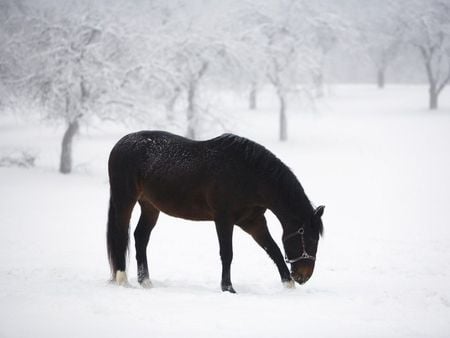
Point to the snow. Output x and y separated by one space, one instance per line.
378 160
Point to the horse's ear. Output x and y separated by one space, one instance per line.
319 211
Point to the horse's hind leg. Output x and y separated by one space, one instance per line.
257 228
147 221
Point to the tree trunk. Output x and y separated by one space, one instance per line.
434 94
283 117
252 97
434 89
191 111
318 82
192 118
380 78
65 165
170 105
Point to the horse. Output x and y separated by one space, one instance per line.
229 180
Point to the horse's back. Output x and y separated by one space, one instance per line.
144 147
153 150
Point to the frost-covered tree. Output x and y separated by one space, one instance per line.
381 33
146 82
286 29
329 28
10 26
64 56
200 40
247 26
428 30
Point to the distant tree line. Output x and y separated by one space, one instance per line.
110 59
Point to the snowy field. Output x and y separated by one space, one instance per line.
378 160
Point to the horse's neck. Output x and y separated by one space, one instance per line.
292 210
285 197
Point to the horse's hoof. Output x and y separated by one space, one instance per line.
146 283
228 288
121 278
289 284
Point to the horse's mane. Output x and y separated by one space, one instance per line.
255 156
268 165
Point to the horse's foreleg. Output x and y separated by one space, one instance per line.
225 235
257 228
147 221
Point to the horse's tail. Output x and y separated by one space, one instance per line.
110 236
116 239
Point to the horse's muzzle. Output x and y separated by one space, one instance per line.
302 274
300 279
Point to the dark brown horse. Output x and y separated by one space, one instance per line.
229 180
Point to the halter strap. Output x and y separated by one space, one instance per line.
304 255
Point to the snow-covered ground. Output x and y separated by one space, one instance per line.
378 160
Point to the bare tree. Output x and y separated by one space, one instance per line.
10 30
329 28
381 34
428 27
63 59
198 45
286 32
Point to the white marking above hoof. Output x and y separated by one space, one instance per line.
147 283
121 278
289 284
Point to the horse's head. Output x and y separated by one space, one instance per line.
301 247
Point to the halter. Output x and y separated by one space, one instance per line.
304 255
